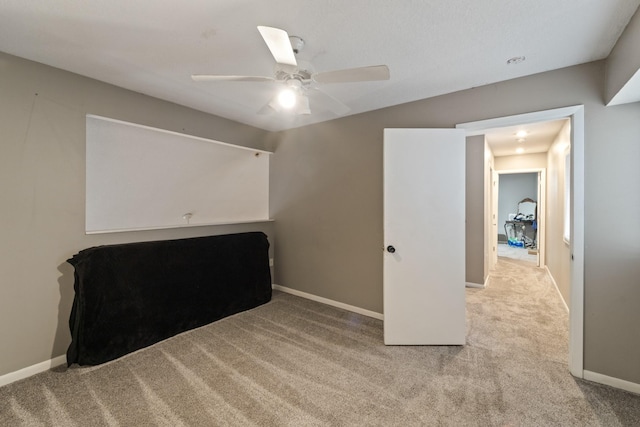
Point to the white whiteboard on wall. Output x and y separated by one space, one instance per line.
140 178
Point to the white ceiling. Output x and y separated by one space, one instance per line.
432 47
538 139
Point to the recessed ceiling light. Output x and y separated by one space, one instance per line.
515 60
521 133
519 150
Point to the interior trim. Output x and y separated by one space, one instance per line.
612 381
330 302
475 285
576 114
32 370
555 285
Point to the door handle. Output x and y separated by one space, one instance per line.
391 249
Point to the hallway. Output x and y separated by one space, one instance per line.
521 320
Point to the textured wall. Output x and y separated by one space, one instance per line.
558 253
42 189
623 65
327 201
326 197
526 161
474 210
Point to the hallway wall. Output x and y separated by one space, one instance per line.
558 252
474 211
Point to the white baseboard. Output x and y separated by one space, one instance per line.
611 381
557 288
474 285
330 302
478 285
61 360
32 370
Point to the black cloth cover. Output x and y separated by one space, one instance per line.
130 296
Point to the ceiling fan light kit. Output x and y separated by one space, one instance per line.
299 83
287 98
296 44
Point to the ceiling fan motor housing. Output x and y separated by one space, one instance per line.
297 44
292 73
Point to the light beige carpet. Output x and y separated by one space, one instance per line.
294 362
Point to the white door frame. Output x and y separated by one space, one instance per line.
576 114
542 205
492 239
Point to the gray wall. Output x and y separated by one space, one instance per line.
623 62
521 161
326 191
327 201
474 210
513 187
42 189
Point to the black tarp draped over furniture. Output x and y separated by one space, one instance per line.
130 296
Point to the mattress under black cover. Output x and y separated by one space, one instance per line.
130 296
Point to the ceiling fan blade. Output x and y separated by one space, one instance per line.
215 78
266 109
277 41
361 74
321 100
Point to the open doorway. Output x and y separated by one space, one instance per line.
575 179
521 155
519 216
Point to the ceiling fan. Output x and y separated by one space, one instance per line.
299 81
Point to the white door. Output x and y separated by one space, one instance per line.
424 236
